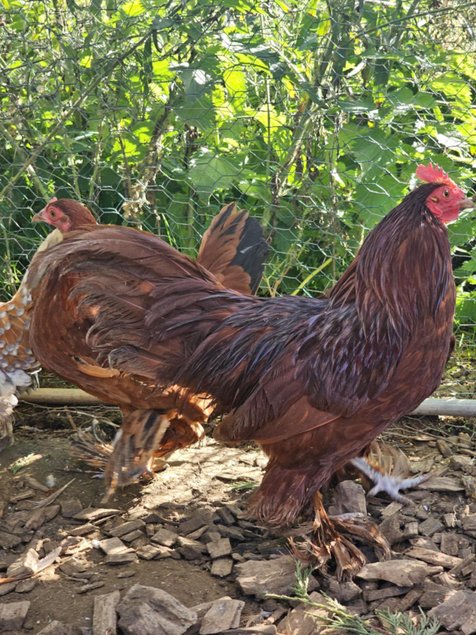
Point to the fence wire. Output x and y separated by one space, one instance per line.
311 115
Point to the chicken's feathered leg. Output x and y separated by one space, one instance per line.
328 541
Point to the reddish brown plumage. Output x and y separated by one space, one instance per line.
312 380
155 421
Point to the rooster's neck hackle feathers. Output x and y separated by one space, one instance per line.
401 270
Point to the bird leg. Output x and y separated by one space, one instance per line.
133 448
388 471
329 542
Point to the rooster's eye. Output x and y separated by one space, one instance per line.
52 213
446 193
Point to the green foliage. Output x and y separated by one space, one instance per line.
311 115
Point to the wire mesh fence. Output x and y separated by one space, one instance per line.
311 115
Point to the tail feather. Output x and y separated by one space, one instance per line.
234 250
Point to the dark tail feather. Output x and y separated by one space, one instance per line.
234 250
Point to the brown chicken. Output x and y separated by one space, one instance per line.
16 358
313 381
155 421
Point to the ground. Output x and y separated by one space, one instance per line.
191 520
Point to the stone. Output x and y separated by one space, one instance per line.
434 557
457 611
433 594
149 611
165 537
349 497
384 593
442 484
83 530
71 507
304 619
152 552
219 548
41 516
104 613
7 587
95 513
343 591
57 628
221 567
429 526
190 549
469 524
120 558
276 576
221 616
12 615
127 528
259 629
25 586
404 573
8 540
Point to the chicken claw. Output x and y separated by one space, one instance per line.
391 484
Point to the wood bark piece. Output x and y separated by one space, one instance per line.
434 557
104 613
457 611
405 573
127 528
145 610
260 577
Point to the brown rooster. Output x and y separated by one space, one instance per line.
313 381
155 421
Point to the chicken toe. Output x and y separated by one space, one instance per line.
391 484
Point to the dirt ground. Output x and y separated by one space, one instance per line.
210 483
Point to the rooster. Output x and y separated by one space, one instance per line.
155 421
312 381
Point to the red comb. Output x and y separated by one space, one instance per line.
53 199
432 173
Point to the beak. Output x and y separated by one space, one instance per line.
39 218
467 203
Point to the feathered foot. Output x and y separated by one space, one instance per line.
329 542
388 469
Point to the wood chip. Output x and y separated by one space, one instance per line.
430 526
104 613
434 557
95 513
404 573
127 527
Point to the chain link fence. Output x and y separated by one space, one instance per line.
311 115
